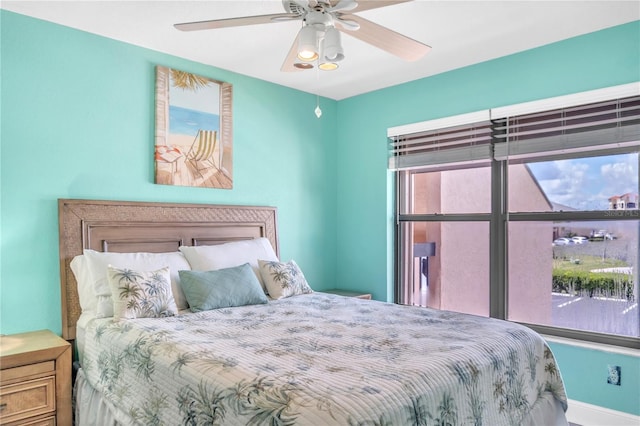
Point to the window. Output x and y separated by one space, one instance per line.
542 230
591 261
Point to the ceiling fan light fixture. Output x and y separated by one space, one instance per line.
332 45
328 66
307 55
307 43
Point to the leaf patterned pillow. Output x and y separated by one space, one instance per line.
283 279
138 294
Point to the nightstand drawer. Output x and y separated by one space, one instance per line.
27 399
47 421
29 371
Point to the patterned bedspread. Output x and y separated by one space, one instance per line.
322 359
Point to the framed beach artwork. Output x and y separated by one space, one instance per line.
194 138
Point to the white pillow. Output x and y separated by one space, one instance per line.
86 294
99 261
228 255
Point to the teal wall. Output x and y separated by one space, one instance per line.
365 188
77 122
585 375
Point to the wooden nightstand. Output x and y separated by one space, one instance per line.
35 379
349 293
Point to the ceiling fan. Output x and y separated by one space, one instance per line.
319 38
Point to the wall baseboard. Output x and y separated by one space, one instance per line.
592 415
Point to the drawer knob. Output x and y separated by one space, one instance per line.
3 406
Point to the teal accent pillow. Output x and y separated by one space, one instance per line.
223 288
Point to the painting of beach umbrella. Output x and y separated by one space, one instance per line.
193 143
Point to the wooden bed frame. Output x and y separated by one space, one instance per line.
124 226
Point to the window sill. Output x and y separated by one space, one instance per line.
592 345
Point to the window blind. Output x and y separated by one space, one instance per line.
588 121
453 146
594 126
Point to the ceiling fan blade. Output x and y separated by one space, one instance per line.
374 4
292 58
385 39
237 22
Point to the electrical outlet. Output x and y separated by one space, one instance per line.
614 375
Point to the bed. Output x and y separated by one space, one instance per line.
306 358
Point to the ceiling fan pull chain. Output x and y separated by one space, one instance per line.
318 111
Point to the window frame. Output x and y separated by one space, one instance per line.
499 219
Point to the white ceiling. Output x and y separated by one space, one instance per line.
461 33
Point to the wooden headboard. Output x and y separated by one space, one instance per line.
123 226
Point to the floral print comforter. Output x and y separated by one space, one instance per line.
320 359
